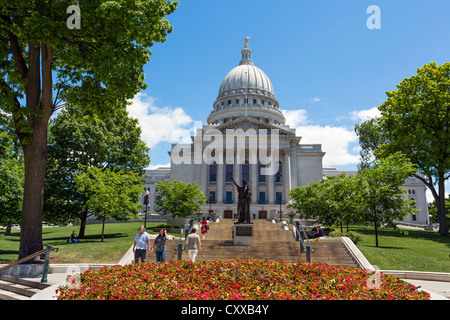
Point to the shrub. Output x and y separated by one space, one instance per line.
354 237
237 280
164 225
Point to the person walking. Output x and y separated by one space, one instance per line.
141 245
193 244
204 228
160 245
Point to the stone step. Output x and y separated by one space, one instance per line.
271 242
12 288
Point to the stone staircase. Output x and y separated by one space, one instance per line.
19 289
271 242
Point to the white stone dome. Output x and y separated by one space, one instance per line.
246 91
246 77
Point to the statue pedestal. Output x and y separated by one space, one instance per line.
244 234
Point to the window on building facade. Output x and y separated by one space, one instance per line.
237 101
228 172
213 172
212 197
254 101
278 197
261 177
262 197
245 172
228 197
279 174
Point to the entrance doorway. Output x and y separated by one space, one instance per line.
262 214
228 214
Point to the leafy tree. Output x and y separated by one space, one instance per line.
381 193
110 194
97 66
331 201
179 198
77 137
11 183
416 120
432 210
371 137
373 196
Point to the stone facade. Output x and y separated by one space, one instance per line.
246 107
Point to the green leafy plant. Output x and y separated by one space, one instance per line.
240 279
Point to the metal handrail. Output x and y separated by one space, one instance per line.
31 256
306 237
308 249
45 252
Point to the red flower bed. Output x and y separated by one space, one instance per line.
238 280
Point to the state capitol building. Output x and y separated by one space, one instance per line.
246 103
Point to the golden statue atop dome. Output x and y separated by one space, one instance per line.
246 41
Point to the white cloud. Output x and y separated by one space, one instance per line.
364 115
315 99
335 141
159 124
295 118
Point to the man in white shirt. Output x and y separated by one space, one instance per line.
141 245
193 244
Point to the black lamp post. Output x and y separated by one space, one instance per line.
146 208
280 209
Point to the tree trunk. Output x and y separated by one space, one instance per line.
35 151
441 210
103 227
35 160
376 234
83 220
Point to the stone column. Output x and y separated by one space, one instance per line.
271 187
286 175
254 182
237 178
204 178
293 163
220 183
151 198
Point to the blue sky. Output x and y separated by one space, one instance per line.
328 69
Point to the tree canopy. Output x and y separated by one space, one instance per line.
43 63
79 138
179 199
415 120
109 193
372 196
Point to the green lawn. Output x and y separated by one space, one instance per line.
118 239
405 249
